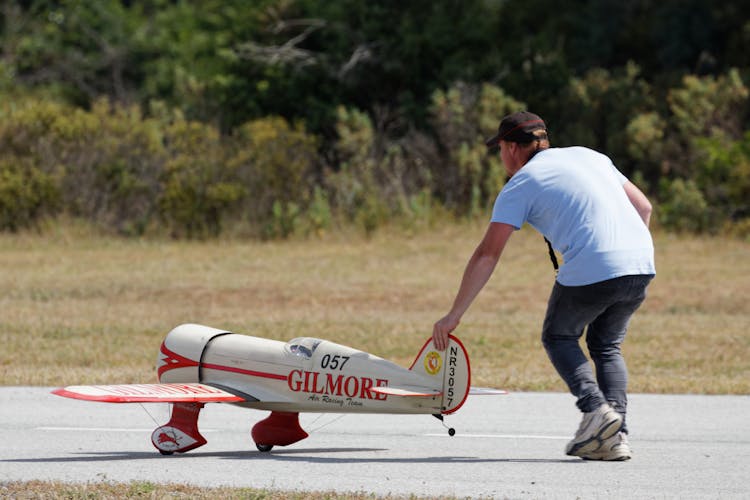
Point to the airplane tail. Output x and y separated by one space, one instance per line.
449 370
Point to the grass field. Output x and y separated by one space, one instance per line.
37 490
77 308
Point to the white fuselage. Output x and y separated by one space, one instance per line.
302 375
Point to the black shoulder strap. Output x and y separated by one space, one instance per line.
552 255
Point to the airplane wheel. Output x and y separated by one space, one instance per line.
264 447
451 431
166 452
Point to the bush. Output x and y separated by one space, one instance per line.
26 194
683 207
319 215
196 189
130 173
274 163
697 154
463 117
723 175
29 169
373 177
645 138
355 185
104 163
602 104
702 107
114 159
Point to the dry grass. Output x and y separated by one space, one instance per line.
76 308
81 309
39 490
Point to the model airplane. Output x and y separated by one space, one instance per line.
198 364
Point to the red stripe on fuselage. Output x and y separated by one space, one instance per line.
252 373
172 360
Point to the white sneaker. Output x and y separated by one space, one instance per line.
615 448
595 428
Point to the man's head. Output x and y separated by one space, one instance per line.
519 136
519 127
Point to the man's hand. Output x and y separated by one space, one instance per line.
442 329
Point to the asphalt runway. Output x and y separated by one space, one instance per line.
508 446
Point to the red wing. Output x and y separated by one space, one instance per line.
149 393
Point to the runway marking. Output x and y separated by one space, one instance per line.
435 434
102 429
499 436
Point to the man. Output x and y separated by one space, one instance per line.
598 220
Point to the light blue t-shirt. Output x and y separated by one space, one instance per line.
574 197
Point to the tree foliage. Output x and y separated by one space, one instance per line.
285 116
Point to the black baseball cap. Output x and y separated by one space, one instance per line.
517 127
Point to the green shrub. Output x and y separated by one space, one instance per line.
319 216
702 107
697 154
26 194
274 162
602 103
371 213
114 161
683 207
739 229
107 161
723 175
707 106
284 220
357 183
29 166
468 179
645 144
197 192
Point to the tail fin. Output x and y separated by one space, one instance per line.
449 369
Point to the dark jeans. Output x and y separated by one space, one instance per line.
606 307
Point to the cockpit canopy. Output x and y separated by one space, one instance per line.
303 347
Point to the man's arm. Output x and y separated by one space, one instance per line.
478 271
639 201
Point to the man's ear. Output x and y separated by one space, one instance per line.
513 148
